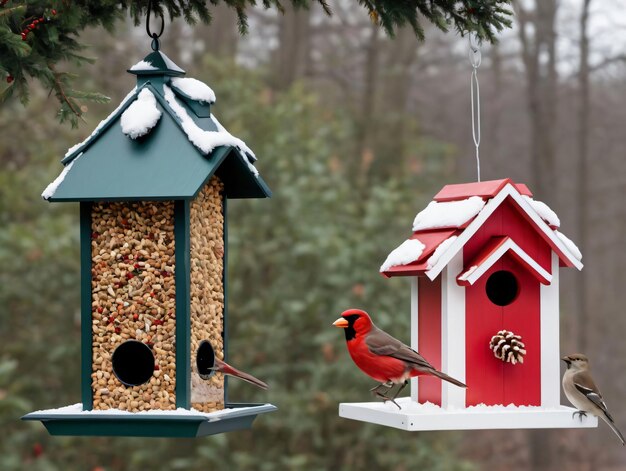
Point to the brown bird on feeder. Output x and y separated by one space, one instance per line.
583 393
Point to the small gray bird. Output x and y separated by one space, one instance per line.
583 393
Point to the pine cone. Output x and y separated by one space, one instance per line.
508 347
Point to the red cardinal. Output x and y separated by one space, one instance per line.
383 357
225 368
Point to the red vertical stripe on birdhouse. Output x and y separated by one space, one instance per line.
522 382
484 373
429 336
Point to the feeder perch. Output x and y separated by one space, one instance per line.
153 181
488 260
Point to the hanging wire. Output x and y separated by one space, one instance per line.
475 59
155 37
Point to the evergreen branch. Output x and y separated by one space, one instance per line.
12 11
34 36
62 95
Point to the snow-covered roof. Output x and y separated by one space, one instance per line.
457 212
161 108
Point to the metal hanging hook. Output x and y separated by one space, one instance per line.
155 37
475 58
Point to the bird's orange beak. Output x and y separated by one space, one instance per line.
341 323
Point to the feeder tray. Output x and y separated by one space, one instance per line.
72 420
416 417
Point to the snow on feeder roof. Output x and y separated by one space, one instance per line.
194 89
458 211
156 63
161 143
141 116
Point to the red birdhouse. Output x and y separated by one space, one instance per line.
483 262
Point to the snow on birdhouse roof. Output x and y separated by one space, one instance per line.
161 142
448 214
459 210
409 251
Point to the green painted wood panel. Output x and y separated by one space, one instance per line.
85 306
225 284
183 303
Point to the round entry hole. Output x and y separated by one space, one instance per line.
205 359
133 363
502 288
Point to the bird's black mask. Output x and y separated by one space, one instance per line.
350 331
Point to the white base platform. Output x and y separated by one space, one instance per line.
421 417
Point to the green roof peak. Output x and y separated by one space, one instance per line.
156 63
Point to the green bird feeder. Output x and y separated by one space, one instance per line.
153 181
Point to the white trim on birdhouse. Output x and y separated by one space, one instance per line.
419 417
452 333
508 191
549 335
414 330
473 274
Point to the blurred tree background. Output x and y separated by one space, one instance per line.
355 132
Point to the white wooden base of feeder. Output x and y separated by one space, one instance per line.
421 417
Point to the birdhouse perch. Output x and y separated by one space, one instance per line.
153 181
483 258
